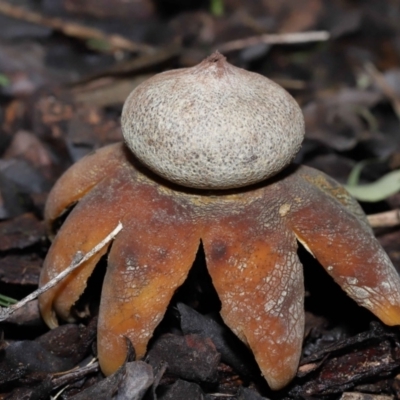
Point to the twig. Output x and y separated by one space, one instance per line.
74 375
385 219
278 38
380 81
78 260
114 41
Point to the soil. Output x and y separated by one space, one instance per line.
66 68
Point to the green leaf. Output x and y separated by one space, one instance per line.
4 81
355 173
379 190
98 45
6 301
217 7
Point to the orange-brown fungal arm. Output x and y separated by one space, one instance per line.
148 261
89 222
347 249
334 189
259 279
81 178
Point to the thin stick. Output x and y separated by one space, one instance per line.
116 42
385 219
78 260
380 80
278 38
60 379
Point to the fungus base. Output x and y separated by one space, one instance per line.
250 241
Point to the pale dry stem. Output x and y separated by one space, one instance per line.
78 260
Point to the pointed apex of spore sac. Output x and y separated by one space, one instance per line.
215 58
215 64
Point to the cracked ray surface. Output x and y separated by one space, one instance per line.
81 179
348 250
148 261
258 277
76 235
249 238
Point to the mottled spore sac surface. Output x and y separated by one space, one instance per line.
212 126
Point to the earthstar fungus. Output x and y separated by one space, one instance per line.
211 159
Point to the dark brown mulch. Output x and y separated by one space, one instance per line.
62 86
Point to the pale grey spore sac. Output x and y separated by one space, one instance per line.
212 126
